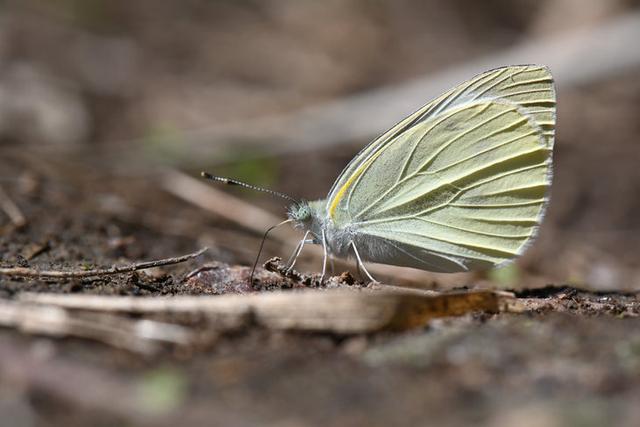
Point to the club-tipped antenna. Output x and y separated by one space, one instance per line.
230 181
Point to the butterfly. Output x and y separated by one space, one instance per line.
461 184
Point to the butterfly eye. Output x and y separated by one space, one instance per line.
300 212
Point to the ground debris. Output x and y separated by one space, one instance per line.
56 274
337 308
579 301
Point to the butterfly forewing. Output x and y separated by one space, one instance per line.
528 86
463 182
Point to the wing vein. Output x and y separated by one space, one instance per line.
468 230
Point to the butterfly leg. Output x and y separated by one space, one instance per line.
324 256
296 253
361 264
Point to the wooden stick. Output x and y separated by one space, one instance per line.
139 336
336 311
49 274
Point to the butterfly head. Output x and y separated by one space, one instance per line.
307 216
300 213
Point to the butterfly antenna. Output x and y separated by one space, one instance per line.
264 238
230 181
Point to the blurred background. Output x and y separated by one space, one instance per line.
99 99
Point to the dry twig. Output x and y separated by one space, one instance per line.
334 311
48 274
35 249
138 336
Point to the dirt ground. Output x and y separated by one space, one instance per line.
569 357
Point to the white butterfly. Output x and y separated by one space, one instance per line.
460 184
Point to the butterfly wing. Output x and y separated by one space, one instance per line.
460 184
529 86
